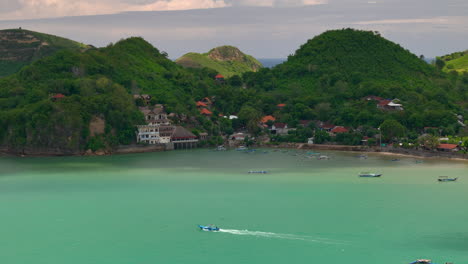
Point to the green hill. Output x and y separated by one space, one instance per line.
226 60
328 76
457 61
99 83
19 47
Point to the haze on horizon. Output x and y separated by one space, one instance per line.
262 28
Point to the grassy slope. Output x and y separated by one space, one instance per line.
459 64
30 52
226 68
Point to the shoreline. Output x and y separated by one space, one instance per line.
134 149
420 154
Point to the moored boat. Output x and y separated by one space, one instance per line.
208 228
221 148
241 148
369 175
258 172
422 261
446 179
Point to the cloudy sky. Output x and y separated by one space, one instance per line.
263 28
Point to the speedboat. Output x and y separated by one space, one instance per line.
422 261
446 179
208 228
323 157
259 172
369 175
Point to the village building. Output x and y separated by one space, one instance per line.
338 130
267 118
238 136
183 139
155 115
385 104
205 112
279 129
145 97
57 97
280 106
203 136
448 147
219 78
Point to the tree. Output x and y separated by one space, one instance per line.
391 129
439 63
429 141
250 117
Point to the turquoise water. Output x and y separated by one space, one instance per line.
144 208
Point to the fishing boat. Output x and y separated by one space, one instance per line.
369 175
446 179
362 156
258 172
241 148
221 148
422 261
323 157
208 228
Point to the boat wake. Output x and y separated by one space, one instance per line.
281 236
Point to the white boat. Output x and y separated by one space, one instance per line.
323 157
221 148
369 175
241 148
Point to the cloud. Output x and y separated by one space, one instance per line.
30 9
436 20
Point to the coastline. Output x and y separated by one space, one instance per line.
386 151
134 149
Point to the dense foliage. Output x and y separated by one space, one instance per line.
326 79
98 82
19 47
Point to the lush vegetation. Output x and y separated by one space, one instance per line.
326 79
19 47
226 60
98 82
457 61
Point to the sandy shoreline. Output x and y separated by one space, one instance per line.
418 154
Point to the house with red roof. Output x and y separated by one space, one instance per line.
57 97
281 105
448 147
338 130
205 112
219 78
267 118
201 104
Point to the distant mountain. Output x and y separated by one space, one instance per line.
19 47
226 60
457 61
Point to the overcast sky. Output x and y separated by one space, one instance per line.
262 28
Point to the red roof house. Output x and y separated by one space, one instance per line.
267 118
281 105
448 147
219 76
205 111
201 104
58 96
339 129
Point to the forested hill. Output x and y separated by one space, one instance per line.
19 47
328 77
95 83
227 60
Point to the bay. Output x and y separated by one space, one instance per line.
145 208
